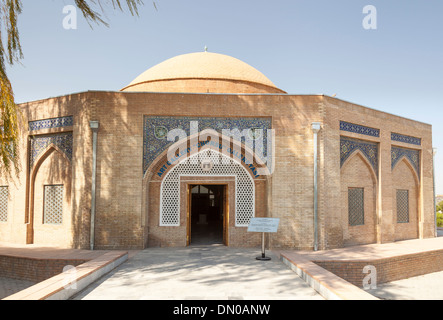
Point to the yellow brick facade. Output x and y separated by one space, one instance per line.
128 195
128 202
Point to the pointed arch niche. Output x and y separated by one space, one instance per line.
167 186
359 167
406 186
50 169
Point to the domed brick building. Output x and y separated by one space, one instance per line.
198 145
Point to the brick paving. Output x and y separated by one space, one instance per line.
47 252
376 251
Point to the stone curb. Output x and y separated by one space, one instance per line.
327 284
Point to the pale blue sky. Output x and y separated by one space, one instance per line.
304 47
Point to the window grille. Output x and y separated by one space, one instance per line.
4 199
402 206
222 166
356 206
53 204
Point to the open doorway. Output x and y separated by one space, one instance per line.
207 208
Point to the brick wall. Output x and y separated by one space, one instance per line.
332 205
388 269
19 227
357 173
403 179
32 269
55 169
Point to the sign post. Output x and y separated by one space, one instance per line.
263 225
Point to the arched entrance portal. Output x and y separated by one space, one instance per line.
208 167
208 197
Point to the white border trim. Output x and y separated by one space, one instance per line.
206 175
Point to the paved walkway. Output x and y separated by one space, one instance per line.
213 272
426 287
217 272
10 286
374 250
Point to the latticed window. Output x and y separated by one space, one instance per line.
356 206
4 197
402 206
53 204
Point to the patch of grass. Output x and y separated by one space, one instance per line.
439 219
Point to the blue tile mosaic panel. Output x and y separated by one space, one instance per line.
356 128
156 129
370 150
39 144
405 139
51 123
413 156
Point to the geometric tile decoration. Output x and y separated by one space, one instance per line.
53 204
51 123
4 199
405 139
412 155
356 128
222 165
156 129
356 211
402 206
369 149
39 144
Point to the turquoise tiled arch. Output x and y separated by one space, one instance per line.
156 128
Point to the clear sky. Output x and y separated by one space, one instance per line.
303 46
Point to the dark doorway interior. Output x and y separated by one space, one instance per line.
207 214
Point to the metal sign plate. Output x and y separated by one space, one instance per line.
263 225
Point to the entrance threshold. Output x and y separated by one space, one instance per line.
206 224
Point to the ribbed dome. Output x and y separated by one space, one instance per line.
203 72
